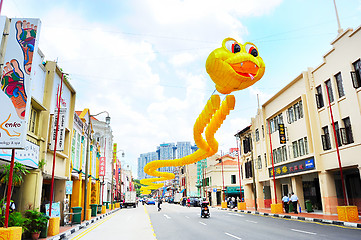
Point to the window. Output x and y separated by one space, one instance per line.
233 179
295 112
275 121
284 153
329 90
306 144
259 162
319 98
296 153
257 135
246 144
346 132
326 143
338 135
339 84
356 75
33 120
248 167
262 131
301 147
265 160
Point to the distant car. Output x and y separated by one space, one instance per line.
150 201
195 202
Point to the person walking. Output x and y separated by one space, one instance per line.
159 203
285 201
188 202
294 200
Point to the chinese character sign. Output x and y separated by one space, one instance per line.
15 81
282 133
102 166
294 167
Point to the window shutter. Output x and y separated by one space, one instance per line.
355 79
317 101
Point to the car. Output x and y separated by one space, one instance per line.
195 202
150 201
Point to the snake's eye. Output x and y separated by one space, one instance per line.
251 49
233 46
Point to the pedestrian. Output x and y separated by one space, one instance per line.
159 203
233 202
188 202
285 201
294 200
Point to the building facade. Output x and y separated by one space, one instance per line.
308 130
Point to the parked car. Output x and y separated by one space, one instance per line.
150 201
195 202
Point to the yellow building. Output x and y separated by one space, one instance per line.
84 155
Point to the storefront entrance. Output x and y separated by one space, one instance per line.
311 190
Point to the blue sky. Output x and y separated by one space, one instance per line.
143 61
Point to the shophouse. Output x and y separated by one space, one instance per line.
221 178
85 162
295 130
104 137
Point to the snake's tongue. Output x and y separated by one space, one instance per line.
251 76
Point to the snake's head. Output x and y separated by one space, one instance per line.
234 66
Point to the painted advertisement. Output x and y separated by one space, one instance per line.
15 81
29 156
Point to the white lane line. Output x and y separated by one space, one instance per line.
232 235
296 230
202 223
165 215
187 217
235 214
251 221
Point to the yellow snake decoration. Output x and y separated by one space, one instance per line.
232 67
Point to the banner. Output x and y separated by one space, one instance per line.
29 156
15 96
102 166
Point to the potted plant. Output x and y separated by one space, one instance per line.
35 222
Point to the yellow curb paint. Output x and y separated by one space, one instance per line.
93 227
145 210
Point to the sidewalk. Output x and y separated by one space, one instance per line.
67 230
305 216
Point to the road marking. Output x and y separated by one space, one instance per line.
202 223
235 214
165 215
91 228
251 221
187 217
296 230
232 235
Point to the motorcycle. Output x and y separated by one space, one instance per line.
205 210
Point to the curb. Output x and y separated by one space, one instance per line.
318 220
63 235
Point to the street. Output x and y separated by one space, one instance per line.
177 222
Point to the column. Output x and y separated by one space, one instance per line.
31 189
328 193
297 188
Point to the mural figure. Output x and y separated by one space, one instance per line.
25 35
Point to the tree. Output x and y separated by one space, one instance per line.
18 173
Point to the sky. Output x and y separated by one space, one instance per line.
143 61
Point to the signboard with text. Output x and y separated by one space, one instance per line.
15 82
281 130
294 167
102 166
61 130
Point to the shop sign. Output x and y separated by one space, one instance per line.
281 130
102 166
55 209
214 189
294 167
61 130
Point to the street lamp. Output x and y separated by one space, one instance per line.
107 119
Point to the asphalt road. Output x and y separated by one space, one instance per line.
176 222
